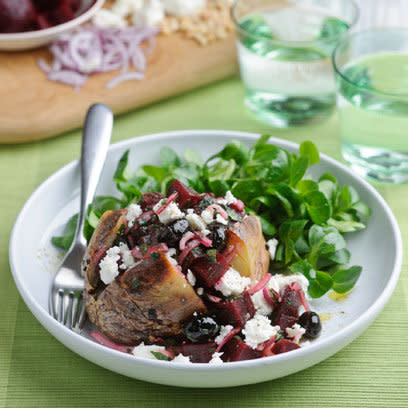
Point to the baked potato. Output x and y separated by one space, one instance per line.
126 312
150 299
252 258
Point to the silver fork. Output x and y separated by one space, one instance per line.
65 298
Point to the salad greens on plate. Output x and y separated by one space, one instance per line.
308 217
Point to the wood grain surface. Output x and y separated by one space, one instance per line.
33 108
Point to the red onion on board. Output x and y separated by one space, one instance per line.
91 50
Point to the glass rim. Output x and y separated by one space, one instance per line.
351 36
294 43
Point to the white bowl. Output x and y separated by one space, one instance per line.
33 261
34 39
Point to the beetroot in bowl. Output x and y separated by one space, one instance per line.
26 24
31 15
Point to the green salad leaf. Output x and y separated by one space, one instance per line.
308 217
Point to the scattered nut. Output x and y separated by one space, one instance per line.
211 24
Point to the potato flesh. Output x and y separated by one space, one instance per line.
252 258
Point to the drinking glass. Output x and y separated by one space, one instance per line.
284 51
372 97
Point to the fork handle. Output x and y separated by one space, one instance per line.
95 143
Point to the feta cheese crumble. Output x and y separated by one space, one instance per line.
200 291
191 278
220 219
261 305
181 359
133 211
171 212
107 19
224 331
207 216
170 256
124 8
128 261
258 330
272 244
295 332
145 351
278 282
196 222
216 359
150 14
109 265
229 198
232 283
183 8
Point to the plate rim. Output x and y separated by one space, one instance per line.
364 320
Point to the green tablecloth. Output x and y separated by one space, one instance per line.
37 371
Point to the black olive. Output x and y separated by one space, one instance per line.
120 240
201 329
218 235
311 322
173 232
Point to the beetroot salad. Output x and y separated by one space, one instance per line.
184 277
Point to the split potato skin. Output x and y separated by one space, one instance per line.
102 239
151 299
252 258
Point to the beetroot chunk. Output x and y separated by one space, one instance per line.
287 312
237 350
283 346
16 16
198 352
46 5
149 200
237 312
61 14
208 271
187 197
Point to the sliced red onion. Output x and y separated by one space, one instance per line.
260 285
99 338
191 245
168 201
68 78
137 253
91 49
203 240
267 296
187 237
42 64
126 76
229 336
220 210
214 299
161 247
295 286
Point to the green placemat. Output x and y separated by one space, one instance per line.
37 371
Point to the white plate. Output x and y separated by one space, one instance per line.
33 39
33 260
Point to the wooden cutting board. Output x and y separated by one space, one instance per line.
33 108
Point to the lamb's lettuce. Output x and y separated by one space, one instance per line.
308 217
